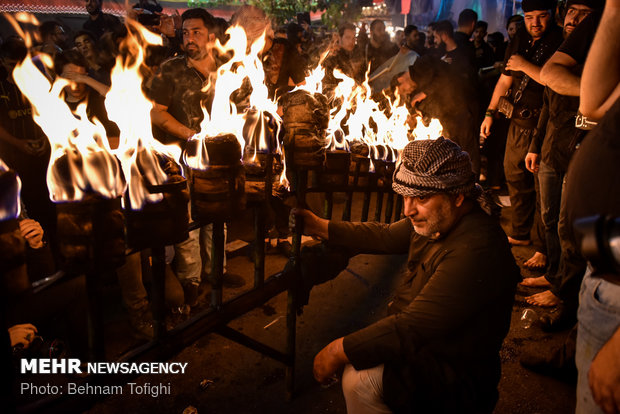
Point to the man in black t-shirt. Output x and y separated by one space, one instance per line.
551 149
525 56
438 93
459 56
23 146
482 50
592 189
379 48
466 26
177 90
98 22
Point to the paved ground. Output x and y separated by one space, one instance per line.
244 381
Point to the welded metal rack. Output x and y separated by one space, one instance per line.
220 313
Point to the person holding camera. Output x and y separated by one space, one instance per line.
518 95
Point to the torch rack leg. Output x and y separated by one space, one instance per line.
259 225
389 208
346 214
379 206
291 330
301 186
329 205
259 244
158 254
217 272
96 337
366 206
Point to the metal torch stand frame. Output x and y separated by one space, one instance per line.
215 319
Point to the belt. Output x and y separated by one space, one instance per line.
526 113
584 123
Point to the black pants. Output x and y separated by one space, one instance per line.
566 282
494 148
520 181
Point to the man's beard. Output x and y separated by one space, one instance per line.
537 30
567 32
435 222
194 53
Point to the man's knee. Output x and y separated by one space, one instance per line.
364 388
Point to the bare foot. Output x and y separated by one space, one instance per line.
545 299
517 242
535 282
538 261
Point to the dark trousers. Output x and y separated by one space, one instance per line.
520 181
538 227
494 148
572 266
550 182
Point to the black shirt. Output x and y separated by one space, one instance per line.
578 43
485 56
462 63
16 119
593 175
555 137
178 86
462 40
103 23
16 111
537 53
377 56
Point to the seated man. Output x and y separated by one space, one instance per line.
438 350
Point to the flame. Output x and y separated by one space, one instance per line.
356 117
244 65
10 205
140 154
434 129
81 160
313 82
27 18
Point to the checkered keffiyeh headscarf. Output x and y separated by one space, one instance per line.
437 166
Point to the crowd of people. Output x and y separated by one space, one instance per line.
536 115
